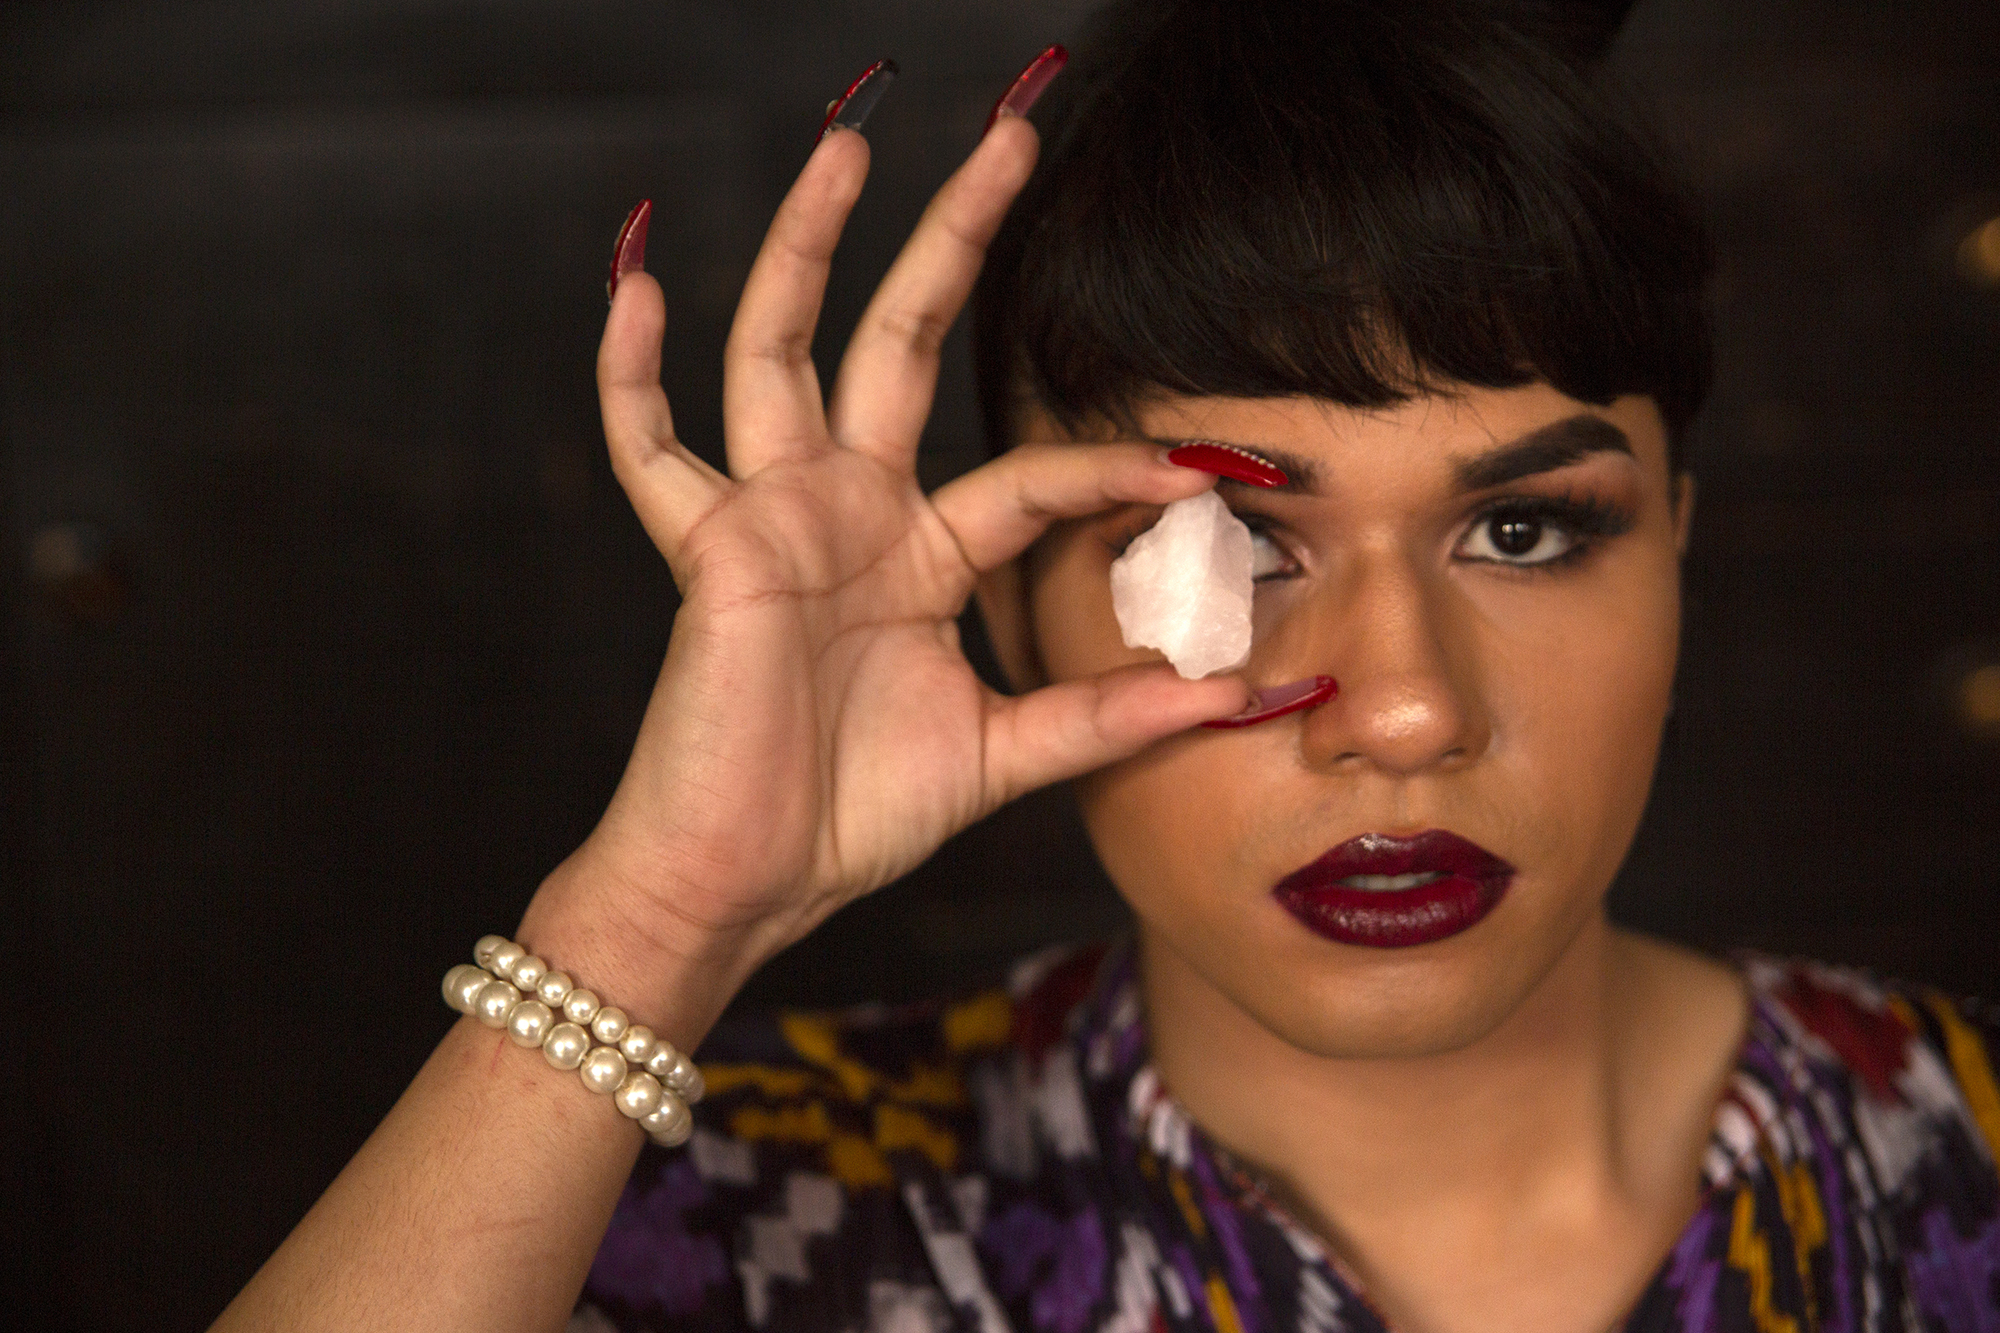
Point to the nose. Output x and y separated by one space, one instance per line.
1402 646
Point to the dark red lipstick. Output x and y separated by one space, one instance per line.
1390 893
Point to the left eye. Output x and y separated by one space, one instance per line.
1267 558
1518 539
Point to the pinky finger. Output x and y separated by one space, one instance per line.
1063 731
668 486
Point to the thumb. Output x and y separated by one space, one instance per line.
1065 730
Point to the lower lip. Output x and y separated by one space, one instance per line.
1394 918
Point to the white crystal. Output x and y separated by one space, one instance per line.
1184 586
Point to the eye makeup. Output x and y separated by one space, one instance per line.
1270 559
1586 519
1515 528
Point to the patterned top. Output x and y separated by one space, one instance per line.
1012 1163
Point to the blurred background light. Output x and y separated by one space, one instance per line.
1979 700
1979 253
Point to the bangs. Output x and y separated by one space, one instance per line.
1358 203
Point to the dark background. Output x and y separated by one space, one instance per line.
327 628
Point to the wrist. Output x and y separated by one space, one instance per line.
669 973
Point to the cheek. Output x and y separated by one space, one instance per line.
1183 812
1180 807
1579 692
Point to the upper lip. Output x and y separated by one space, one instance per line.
1434 851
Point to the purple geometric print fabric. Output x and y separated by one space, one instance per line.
1011 1163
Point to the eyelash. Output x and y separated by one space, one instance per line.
1260 526
1587 519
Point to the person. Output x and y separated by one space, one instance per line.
1373 1056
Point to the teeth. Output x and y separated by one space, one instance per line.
1390 883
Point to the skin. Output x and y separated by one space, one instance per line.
816 732
1496 1130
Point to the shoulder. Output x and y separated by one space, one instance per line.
791 1204
1898 1079
1895 1043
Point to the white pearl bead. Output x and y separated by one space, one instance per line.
638 1096
502 963
684 1078
554 989
454 986
528 973
637 1044
496 1000
469 986
671 1124
482 952
580 1006
603 1070
610 1024
662 1059
529 1024
566 1045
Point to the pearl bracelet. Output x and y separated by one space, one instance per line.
505 986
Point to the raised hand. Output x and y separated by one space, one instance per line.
816 730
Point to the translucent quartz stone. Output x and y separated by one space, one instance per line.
1184 587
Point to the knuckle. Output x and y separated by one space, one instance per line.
921 331
789 348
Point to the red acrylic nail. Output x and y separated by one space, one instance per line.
1279 700
1021 94
1226 460
851 108
628 252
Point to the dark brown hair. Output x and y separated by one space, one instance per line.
1355 200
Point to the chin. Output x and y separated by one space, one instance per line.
1350 1003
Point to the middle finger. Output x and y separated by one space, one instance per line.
771 406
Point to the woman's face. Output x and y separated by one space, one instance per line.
1493 579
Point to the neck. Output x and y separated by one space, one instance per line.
1590 1100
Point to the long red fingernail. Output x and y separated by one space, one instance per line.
1280 700
628 252
851 108
1028 86
1226 460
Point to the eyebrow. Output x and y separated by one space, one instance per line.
1553 446
1544 449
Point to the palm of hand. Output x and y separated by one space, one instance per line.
816 731
823 667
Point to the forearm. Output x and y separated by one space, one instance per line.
477 1203
480 1200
